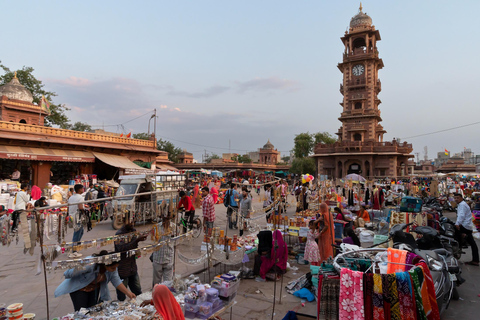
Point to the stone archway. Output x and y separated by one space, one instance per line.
353 166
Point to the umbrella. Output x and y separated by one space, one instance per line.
354 177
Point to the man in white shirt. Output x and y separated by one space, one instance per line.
465 225
74 212
21 200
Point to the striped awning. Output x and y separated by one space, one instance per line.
44 154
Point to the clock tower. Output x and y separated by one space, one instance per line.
360 147
360 88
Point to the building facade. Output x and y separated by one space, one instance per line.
268 154
46 154
360 147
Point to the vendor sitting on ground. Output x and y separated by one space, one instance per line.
363 213
351 237
343 216
165 303
89 286
277 261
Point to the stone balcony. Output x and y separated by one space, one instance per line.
359 146
62 136
360 113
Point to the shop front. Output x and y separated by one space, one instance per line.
38 166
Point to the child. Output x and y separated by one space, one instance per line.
312 254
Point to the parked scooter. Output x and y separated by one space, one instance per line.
448 236
444 267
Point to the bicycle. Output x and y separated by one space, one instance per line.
196 225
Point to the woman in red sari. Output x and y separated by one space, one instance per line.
326 234
278 257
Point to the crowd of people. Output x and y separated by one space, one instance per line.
88 287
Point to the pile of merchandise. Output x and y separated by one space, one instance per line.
114 310
202 301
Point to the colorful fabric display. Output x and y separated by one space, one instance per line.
330 298
386 297
368 295
377 298
414 275
351 295
398 259
434 314
393 297
405 294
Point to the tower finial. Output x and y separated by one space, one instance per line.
15 76
361 6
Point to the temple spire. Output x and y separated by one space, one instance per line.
15 76
361 7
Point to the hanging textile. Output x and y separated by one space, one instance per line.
377 298
393 297
414 275
351 295
434 314
405 294
330 298
367 295
398 257
386 297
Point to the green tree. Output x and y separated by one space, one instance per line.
303 165
286 158
324 137
211 157
79 126
162 145
173 152
242 159
303 145
36 87
141 136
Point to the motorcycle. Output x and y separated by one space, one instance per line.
446 205
448 236
446 272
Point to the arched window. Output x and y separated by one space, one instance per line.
357 137
23 121
359 43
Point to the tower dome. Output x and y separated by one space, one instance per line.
360 19
268 145
15 90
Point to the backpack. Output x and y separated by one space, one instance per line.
89 195
226 199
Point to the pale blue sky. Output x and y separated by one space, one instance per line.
246 71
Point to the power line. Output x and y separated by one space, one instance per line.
121 124
206 146
444 130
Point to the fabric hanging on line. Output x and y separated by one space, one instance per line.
377 298
414 275
428 280
330 298
386 297
351 295
368 295
405 294
398 257
393 297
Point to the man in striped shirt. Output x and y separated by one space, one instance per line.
208 210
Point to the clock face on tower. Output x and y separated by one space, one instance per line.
358 70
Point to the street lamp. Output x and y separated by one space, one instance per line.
153 116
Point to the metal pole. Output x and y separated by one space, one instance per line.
155 124
43 262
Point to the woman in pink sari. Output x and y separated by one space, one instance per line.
278 257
